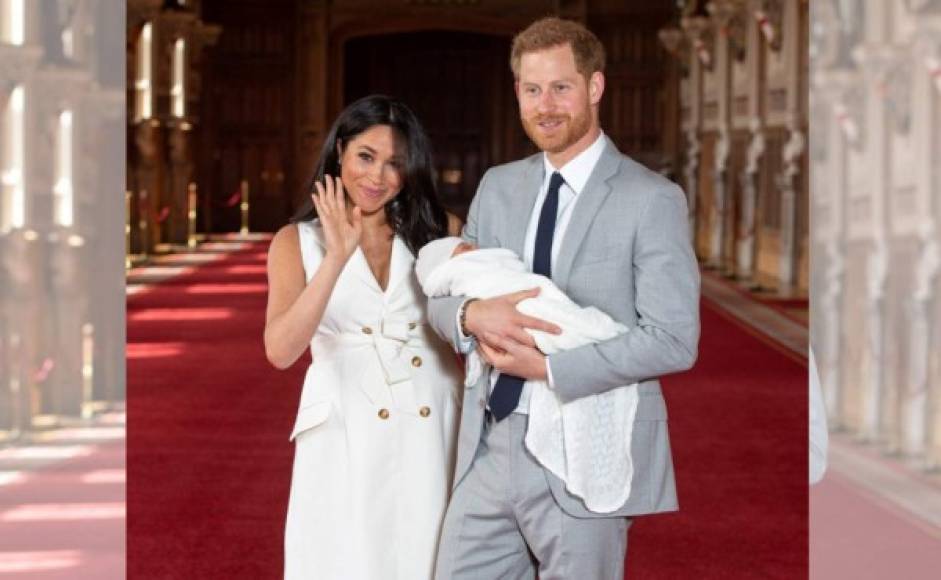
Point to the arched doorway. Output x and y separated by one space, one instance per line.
460 86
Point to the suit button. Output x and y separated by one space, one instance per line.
412 325
383 413
416 361
424 411
367 330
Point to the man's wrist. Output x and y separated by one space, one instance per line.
462 318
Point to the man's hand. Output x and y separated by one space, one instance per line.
511 357
499 316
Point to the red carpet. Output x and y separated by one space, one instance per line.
209 458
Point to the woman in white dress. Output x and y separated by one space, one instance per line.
376 426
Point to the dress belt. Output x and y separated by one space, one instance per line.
388 339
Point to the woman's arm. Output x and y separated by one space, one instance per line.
295 307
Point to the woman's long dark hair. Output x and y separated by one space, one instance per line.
415 213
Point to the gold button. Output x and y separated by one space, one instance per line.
367 330
416 361
412 325
383 413
424 411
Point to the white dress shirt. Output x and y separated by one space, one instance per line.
576 174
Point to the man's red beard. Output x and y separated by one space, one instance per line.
570 130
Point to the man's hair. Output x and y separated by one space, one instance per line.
551 32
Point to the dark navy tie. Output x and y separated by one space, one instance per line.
506 393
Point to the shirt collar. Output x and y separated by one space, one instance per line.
577 171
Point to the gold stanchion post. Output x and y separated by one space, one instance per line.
17 420
142 224
244 186
127 230
191 216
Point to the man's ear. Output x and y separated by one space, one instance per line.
516 89
595 87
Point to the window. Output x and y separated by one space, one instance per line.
178 86
68 42
143 107
12 192
13 21
62 190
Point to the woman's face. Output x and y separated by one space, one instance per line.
372 166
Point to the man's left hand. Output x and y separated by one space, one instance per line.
511 357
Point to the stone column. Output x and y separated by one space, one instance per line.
921 408
20 265
832 84
830 232
723 13
877 60
182 168
745 269
695 29
180 130
789 180
746 252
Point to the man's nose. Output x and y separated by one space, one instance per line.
544 102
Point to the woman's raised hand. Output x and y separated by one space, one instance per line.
342 229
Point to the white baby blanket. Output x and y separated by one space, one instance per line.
585 442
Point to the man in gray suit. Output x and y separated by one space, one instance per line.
611 234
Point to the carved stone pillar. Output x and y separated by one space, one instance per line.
717 239
180 130
835 87
923 388
789 180
20 267
727 20
182 168
69 311
789 184
747 242
918 416
695 29
149 180
829 157
879 63
691 174
876 274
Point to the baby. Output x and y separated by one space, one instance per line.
453 267
563 437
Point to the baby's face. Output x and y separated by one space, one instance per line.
463 247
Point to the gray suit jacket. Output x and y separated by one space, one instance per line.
626 251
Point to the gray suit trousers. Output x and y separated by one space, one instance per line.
503 522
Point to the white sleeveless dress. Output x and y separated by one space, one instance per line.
376 429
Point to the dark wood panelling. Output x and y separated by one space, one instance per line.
462 92
247 113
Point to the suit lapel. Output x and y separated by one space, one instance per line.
587 204
521 204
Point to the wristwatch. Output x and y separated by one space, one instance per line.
462 317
